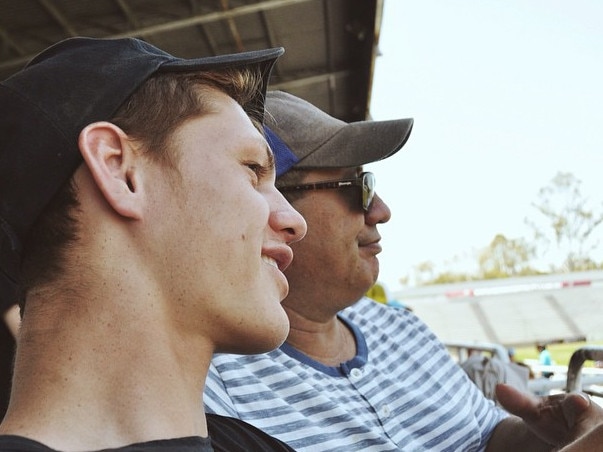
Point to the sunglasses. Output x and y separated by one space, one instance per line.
365 180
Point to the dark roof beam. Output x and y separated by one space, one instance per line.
183 23
8 43
332 82
209 40
376 52
213 17
59 17
127 12
130 17
270 37
232 26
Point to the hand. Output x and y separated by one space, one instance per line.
590 442
558 419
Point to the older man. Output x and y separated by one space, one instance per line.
355 374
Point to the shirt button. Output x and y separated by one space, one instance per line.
385 411
356 373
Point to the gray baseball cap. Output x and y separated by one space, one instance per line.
303 136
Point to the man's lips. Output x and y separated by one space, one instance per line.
279 257
372 245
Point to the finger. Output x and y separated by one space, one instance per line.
574 406
516 402
581 414
590 442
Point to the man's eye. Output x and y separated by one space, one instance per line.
255 167
258 169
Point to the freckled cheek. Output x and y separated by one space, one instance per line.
248 220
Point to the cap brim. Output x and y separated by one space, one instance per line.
359 143
222 61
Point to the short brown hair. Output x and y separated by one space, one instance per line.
181 97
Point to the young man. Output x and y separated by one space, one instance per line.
355 374
141 230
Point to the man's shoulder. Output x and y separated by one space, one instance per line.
260 362
387 326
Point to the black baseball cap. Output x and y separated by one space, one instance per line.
44 107
303 136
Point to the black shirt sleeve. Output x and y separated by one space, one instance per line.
232 435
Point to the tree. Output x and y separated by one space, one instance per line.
505 258
569 221
448 277
425 274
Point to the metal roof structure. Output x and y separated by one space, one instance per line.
330 45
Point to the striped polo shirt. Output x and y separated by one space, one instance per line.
401 391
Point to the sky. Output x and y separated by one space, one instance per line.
505 94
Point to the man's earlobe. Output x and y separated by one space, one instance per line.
109 154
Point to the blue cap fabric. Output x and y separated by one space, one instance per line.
285 158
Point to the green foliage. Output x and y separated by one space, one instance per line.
449 277
505 257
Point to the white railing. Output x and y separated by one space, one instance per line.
572 378
575 379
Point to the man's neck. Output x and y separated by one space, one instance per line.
329 342
68 381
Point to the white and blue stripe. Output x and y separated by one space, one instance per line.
401 392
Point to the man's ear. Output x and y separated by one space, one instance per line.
110 155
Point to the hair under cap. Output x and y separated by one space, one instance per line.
45 106
303 136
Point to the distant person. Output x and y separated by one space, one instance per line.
527 370
141 232
354 374
511 353
544 359
380 294
488 371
